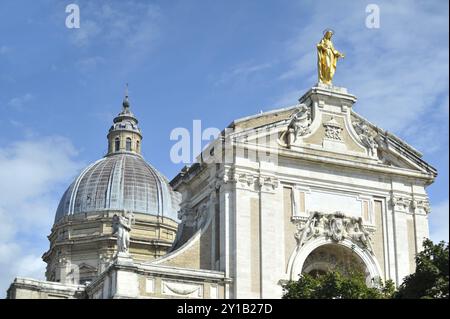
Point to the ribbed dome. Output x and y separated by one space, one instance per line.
121 181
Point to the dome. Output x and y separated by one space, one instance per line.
120 181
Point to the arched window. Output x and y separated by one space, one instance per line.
128 145
137 146
116 144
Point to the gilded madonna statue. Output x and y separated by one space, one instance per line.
327 57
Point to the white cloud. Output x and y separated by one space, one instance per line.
125 32
439 221
33 175
242 72
19 102
87 31
15 262
31 168
128 24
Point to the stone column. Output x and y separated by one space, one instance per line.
247 254
227 236
421 210
271 230
390 244
400 206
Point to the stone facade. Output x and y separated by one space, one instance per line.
82 246
333 166
300 189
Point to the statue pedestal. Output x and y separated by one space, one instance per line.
123 258
331 87
329 98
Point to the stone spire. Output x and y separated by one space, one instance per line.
124 136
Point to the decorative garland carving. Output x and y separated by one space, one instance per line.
181 288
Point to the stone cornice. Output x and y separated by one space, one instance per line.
68 290
354 164
159 271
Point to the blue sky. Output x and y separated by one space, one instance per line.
186 60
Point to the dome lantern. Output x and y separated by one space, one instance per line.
124 135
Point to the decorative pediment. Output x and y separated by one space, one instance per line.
85 268
309 131
323 125
389 149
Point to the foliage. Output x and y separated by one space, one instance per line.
430 281
336 285
431 278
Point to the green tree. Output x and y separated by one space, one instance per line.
336 284
431 277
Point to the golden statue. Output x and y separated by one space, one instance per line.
327 57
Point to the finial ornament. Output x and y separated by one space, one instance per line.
327 57
126 103
124 134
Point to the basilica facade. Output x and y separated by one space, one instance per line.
302 189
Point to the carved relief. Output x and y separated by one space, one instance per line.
267 183
103 262
336 226
201 214
182 289
400 202
333 130
225 177
197 216
423 205
194 217
299 125
246 179
403 203
366 136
